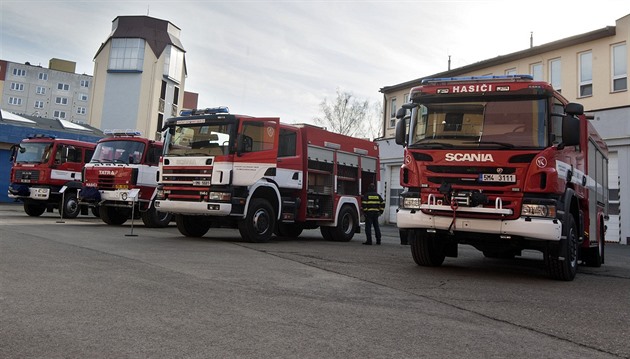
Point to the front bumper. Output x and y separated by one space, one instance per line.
195 208
546 229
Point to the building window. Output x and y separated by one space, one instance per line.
15 101
555 74
41 90
59 114
83 97
511 71
173 63
81 110
43 76
39 104
126 55
619 67
586 74
392 113
85 83
537 71
17 86
61 100
19 72
62 86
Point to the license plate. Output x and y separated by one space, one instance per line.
495 177
201 183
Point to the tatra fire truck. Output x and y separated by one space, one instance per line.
121 179
46 174
262 176
502 163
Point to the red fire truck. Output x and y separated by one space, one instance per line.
43 166
262 176
121 178
502 163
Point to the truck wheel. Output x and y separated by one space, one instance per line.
152 218
114 216
96 212
292 230
346 225
427 250
34 210
326 233
192 226
594 257
565 269
70 205
259 224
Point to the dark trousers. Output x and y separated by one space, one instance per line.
371 219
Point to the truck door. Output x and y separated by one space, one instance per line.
67 165
257 150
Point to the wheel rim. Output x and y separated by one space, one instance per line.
261 221
347 223
71 206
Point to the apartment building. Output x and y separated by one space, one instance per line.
139 76
53 92
589 68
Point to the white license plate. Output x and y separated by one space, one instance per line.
495 177
201 183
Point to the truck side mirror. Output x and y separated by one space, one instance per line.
401 113
401 131
574 109
570 130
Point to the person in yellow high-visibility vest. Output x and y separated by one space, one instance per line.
373 206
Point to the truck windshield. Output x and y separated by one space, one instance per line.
198 140
33 152
499 124
118 152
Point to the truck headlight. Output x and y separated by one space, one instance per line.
411 202
538 210
219 196
160 194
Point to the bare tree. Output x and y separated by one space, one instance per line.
346 115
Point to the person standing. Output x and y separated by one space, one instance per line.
373 206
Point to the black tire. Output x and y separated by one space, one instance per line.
70 205
34 210
347 223
259 223
152 218
427 250
292 230
594 257
192 226
565 269
326 233
96 212
114 216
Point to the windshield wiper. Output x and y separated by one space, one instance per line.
432 145
503 144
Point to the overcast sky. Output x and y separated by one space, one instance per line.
282 58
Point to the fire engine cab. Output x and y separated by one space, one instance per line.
262 176
502 163
121 178
46 174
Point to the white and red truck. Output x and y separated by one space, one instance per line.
46 174
262 176
121 178
502 163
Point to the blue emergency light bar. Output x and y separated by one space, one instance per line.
205 111
41 135
477 78
127 132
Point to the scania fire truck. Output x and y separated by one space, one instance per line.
502 163
121 178
262 176
44 165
